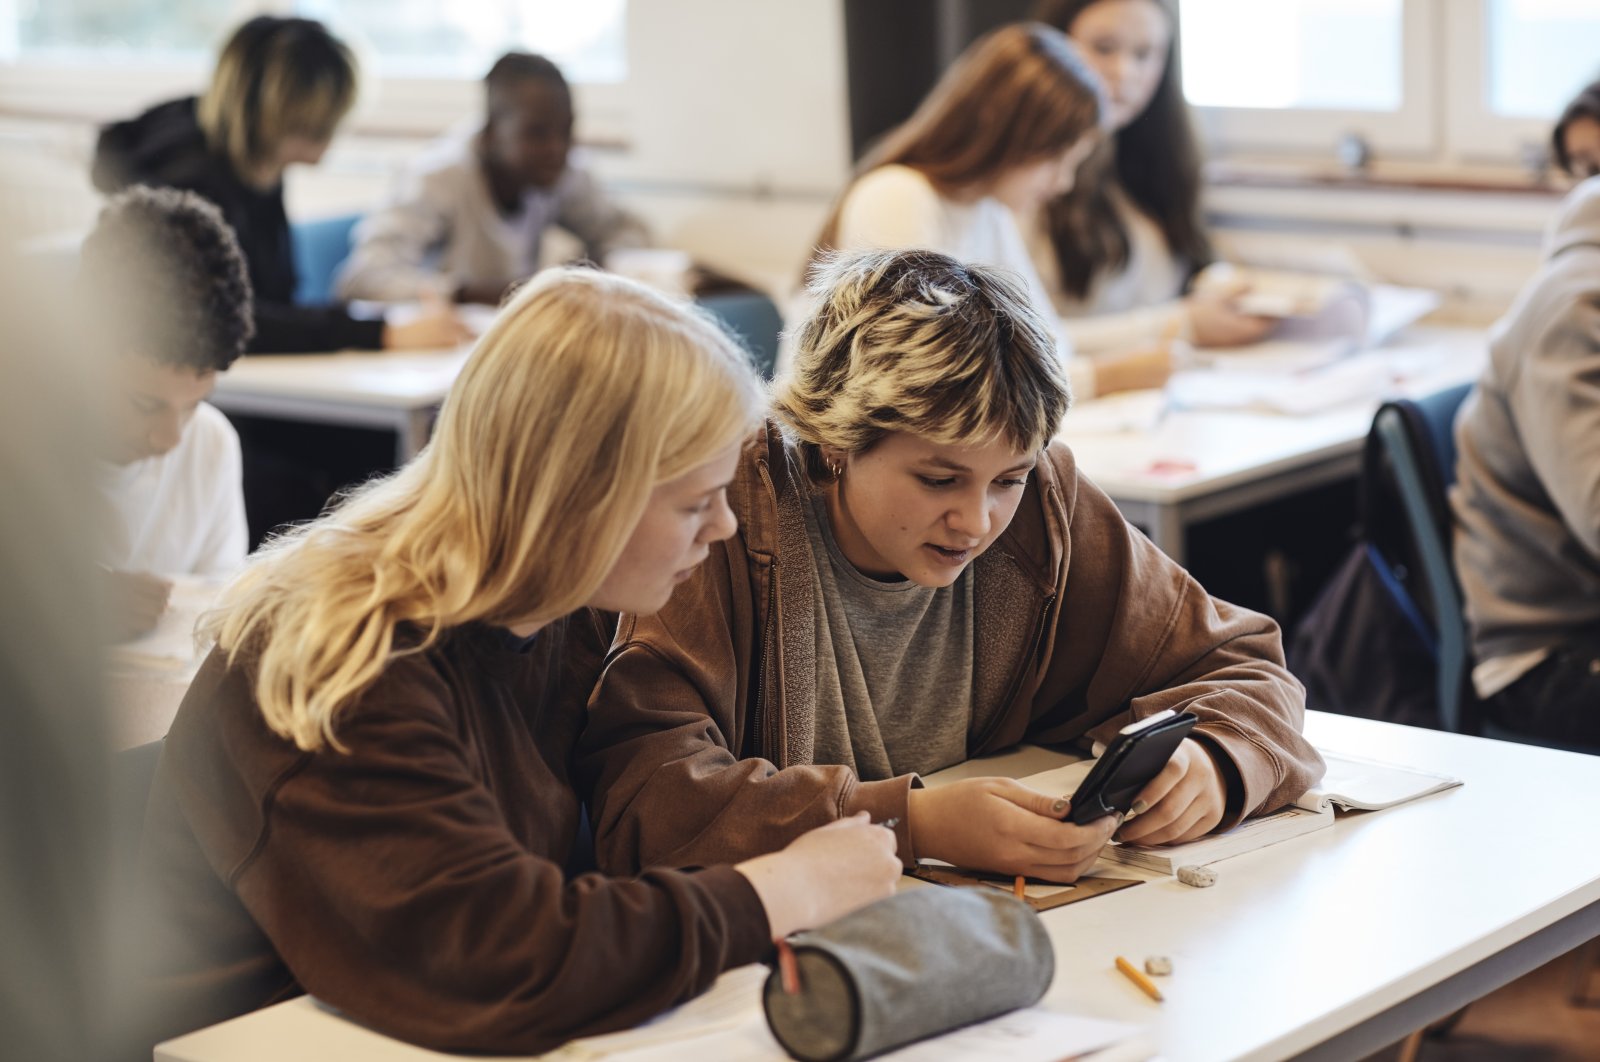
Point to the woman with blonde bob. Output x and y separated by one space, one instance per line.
279 92
921 576
999 136
366 792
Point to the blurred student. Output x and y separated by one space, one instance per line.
1527 496
1118 249
1575 141
280 89
172 301
922 576
1001 134
470 216
366 793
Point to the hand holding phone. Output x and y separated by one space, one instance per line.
1134 757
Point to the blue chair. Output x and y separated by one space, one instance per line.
752 318
320 248
1418 442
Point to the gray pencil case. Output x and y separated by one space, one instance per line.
917 964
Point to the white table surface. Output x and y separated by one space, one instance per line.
1198 463
1328 946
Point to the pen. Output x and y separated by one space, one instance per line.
1020 887
1136 975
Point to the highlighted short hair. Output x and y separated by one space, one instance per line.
917 342
276 78
168 278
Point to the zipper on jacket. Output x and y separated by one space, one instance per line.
767 722
1016 683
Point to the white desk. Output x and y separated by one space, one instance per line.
1325 947
400 392
1198 464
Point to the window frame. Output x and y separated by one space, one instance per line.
1409 131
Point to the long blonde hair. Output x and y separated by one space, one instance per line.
587 392
1018 94
276 77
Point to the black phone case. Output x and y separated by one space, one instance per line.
1130 761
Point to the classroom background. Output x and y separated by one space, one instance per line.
1392 142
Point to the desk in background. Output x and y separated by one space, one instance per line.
1328 946
399 392
1194 465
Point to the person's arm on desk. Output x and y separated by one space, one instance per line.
388 882
1137 634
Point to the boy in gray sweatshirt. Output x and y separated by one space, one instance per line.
1527 499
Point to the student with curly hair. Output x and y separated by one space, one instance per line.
173 296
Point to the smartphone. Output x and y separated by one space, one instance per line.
1134 757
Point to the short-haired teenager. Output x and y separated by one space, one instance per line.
921 576
469 218
366 792
1001 133
171 305
280 89
1527 495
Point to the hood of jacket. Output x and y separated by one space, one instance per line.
162 146
1578 222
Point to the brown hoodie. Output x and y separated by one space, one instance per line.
415 880
699 737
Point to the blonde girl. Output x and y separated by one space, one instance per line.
366 793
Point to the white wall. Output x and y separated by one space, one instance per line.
731 138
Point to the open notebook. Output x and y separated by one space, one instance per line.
1350 784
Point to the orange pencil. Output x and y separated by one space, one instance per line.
1020 887
1136 975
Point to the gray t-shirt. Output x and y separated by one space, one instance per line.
894 665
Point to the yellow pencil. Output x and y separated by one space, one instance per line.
1136 975
1020 887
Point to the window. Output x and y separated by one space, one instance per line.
408 38
1541 52
1326 54
1455 80
425 38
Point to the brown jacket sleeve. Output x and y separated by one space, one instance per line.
1134 633
388 882
668 754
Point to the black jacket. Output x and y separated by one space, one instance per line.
164 146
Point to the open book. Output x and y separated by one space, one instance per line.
1350 784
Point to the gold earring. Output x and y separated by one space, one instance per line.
836 468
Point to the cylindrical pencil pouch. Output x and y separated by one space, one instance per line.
917 964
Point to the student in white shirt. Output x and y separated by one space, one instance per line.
469 216
1119 248
174 298
1001 134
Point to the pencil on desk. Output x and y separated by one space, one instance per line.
1136 975
1020 887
